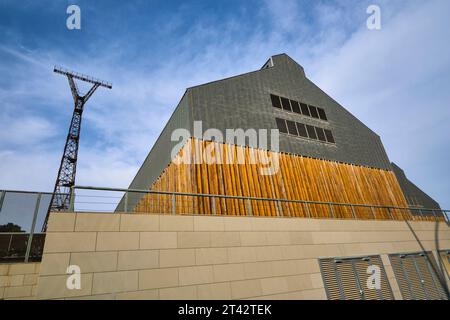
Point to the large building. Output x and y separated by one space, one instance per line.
325 153
322 214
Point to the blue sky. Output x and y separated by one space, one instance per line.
396 80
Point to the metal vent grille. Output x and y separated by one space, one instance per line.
416 276
346 279
445 257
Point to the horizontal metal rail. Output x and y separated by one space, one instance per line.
277 200
26 192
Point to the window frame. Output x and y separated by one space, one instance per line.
322 131
295 126
311 107
285 125
332 136
304 127
321 117
313 130
289 103
272 101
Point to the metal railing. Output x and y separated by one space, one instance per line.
22 210
149 201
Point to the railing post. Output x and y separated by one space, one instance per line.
174 209
72 199
10 242
2 198
280 210
373 213
390 213
435 216
331 210
353 212
33 225
213 205
126 202
249 207
307 209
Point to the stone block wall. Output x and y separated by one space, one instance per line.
132 256
18 280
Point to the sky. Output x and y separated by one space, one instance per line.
396 79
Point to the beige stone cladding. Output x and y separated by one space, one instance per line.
18 280
133 256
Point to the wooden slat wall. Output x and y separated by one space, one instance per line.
299 177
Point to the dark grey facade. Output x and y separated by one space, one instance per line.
244 102
414 195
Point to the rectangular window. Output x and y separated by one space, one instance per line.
347 278
285 103
320 134
313 111
305 110
301 130
295 106
275 101
291 127
322 114
329 136
281 124
311 132
416 276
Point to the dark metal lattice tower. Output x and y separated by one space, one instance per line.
66 175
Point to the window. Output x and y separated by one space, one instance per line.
311 132
304 130
305 110
285 103
313 111
295 106
329 136
301 130
298 107
322 114
346 279
292 128
416 276
320 134
281 124
275 101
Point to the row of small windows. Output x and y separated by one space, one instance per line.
304 130
298 107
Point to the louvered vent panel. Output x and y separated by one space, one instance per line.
445 257
346 278
421 275
349 281
385 292
328 271
402 278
